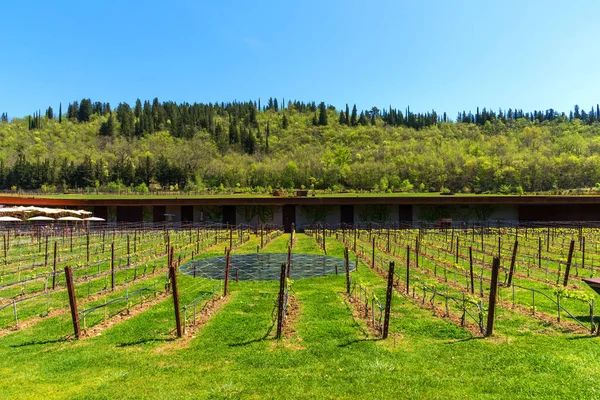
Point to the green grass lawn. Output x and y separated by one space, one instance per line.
330 354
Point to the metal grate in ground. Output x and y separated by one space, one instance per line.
266 266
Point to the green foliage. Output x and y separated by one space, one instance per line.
141 188
108 127
406 186
563 292
228 143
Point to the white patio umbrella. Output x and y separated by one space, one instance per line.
9 219
94 219
40 218
69 219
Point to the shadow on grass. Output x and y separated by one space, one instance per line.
38 342
264 337
590 336
465 340
144 341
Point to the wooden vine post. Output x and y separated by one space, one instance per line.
493 295
499 245
112 266
289 261
173 278
471 269
540 252
512 263
388 240
46 254
417 249
388 301
280 301
347 261
407 269
569 259
457 250
54 268
128 252
72 302
583 252
373 256
227 262
324 246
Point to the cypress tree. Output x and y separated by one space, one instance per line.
353 117
72 110
125 117
85 110
138 108
347 116
267 137
108 127
322 114
252 117
60 113
234 135
284 122
362 120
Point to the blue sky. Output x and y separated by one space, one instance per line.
429 54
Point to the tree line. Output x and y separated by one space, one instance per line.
294 144
184 119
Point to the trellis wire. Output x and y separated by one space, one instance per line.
365 297
138 294
209 296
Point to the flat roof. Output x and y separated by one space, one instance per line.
345 199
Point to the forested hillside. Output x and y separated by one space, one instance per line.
249 146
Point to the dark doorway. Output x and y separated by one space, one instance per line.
347 215
405 213
101 212
562 212
289 217
187 213
159 213
229 215
129 214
